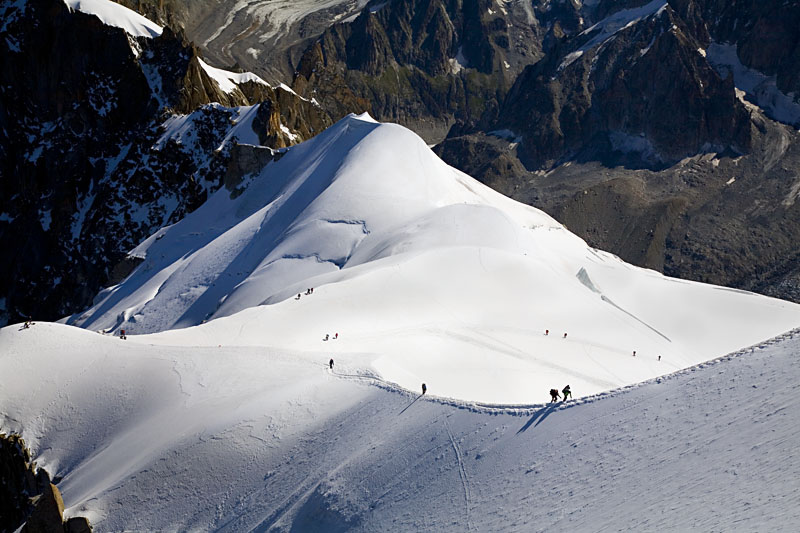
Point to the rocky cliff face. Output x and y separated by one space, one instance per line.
764 32
89 163
634 132
607 90
427 64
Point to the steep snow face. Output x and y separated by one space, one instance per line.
186 130
113 14
435 276
152 437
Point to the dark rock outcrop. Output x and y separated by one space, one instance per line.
20 482
48 511
28 497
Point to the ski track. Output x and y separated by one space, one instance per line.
462 472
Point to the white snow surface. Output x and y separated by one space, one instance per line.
228 80
423 271
160 434
113 14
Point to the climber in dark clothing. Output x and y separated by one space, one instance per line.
331 363
424 389
554 397
566 392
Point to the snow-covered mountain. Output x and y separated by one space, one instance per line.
429 274
221 410
158 433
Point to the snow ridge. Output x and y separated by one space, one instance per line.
113 14
425 271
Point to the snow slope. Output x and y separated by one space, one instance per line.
149 436
113 14
430 274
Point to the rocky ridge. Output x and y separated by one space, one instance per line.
89 165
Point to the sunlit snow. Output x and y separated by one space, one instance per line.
113 14
238 422
430 273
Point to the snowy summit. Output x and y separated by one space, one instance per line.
243 400
423 271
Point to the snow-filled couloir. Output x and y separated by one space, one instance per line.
425 273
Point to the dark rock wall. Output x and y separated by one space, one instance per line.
765 32
646 85
399 63
83 178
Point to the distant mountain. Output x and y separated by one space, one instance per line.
431 65
88 166
265 36
661 131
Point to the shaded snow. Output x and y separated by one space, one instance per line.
506 134
185 129
45 219
760 87
154 80
459 62
640 144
